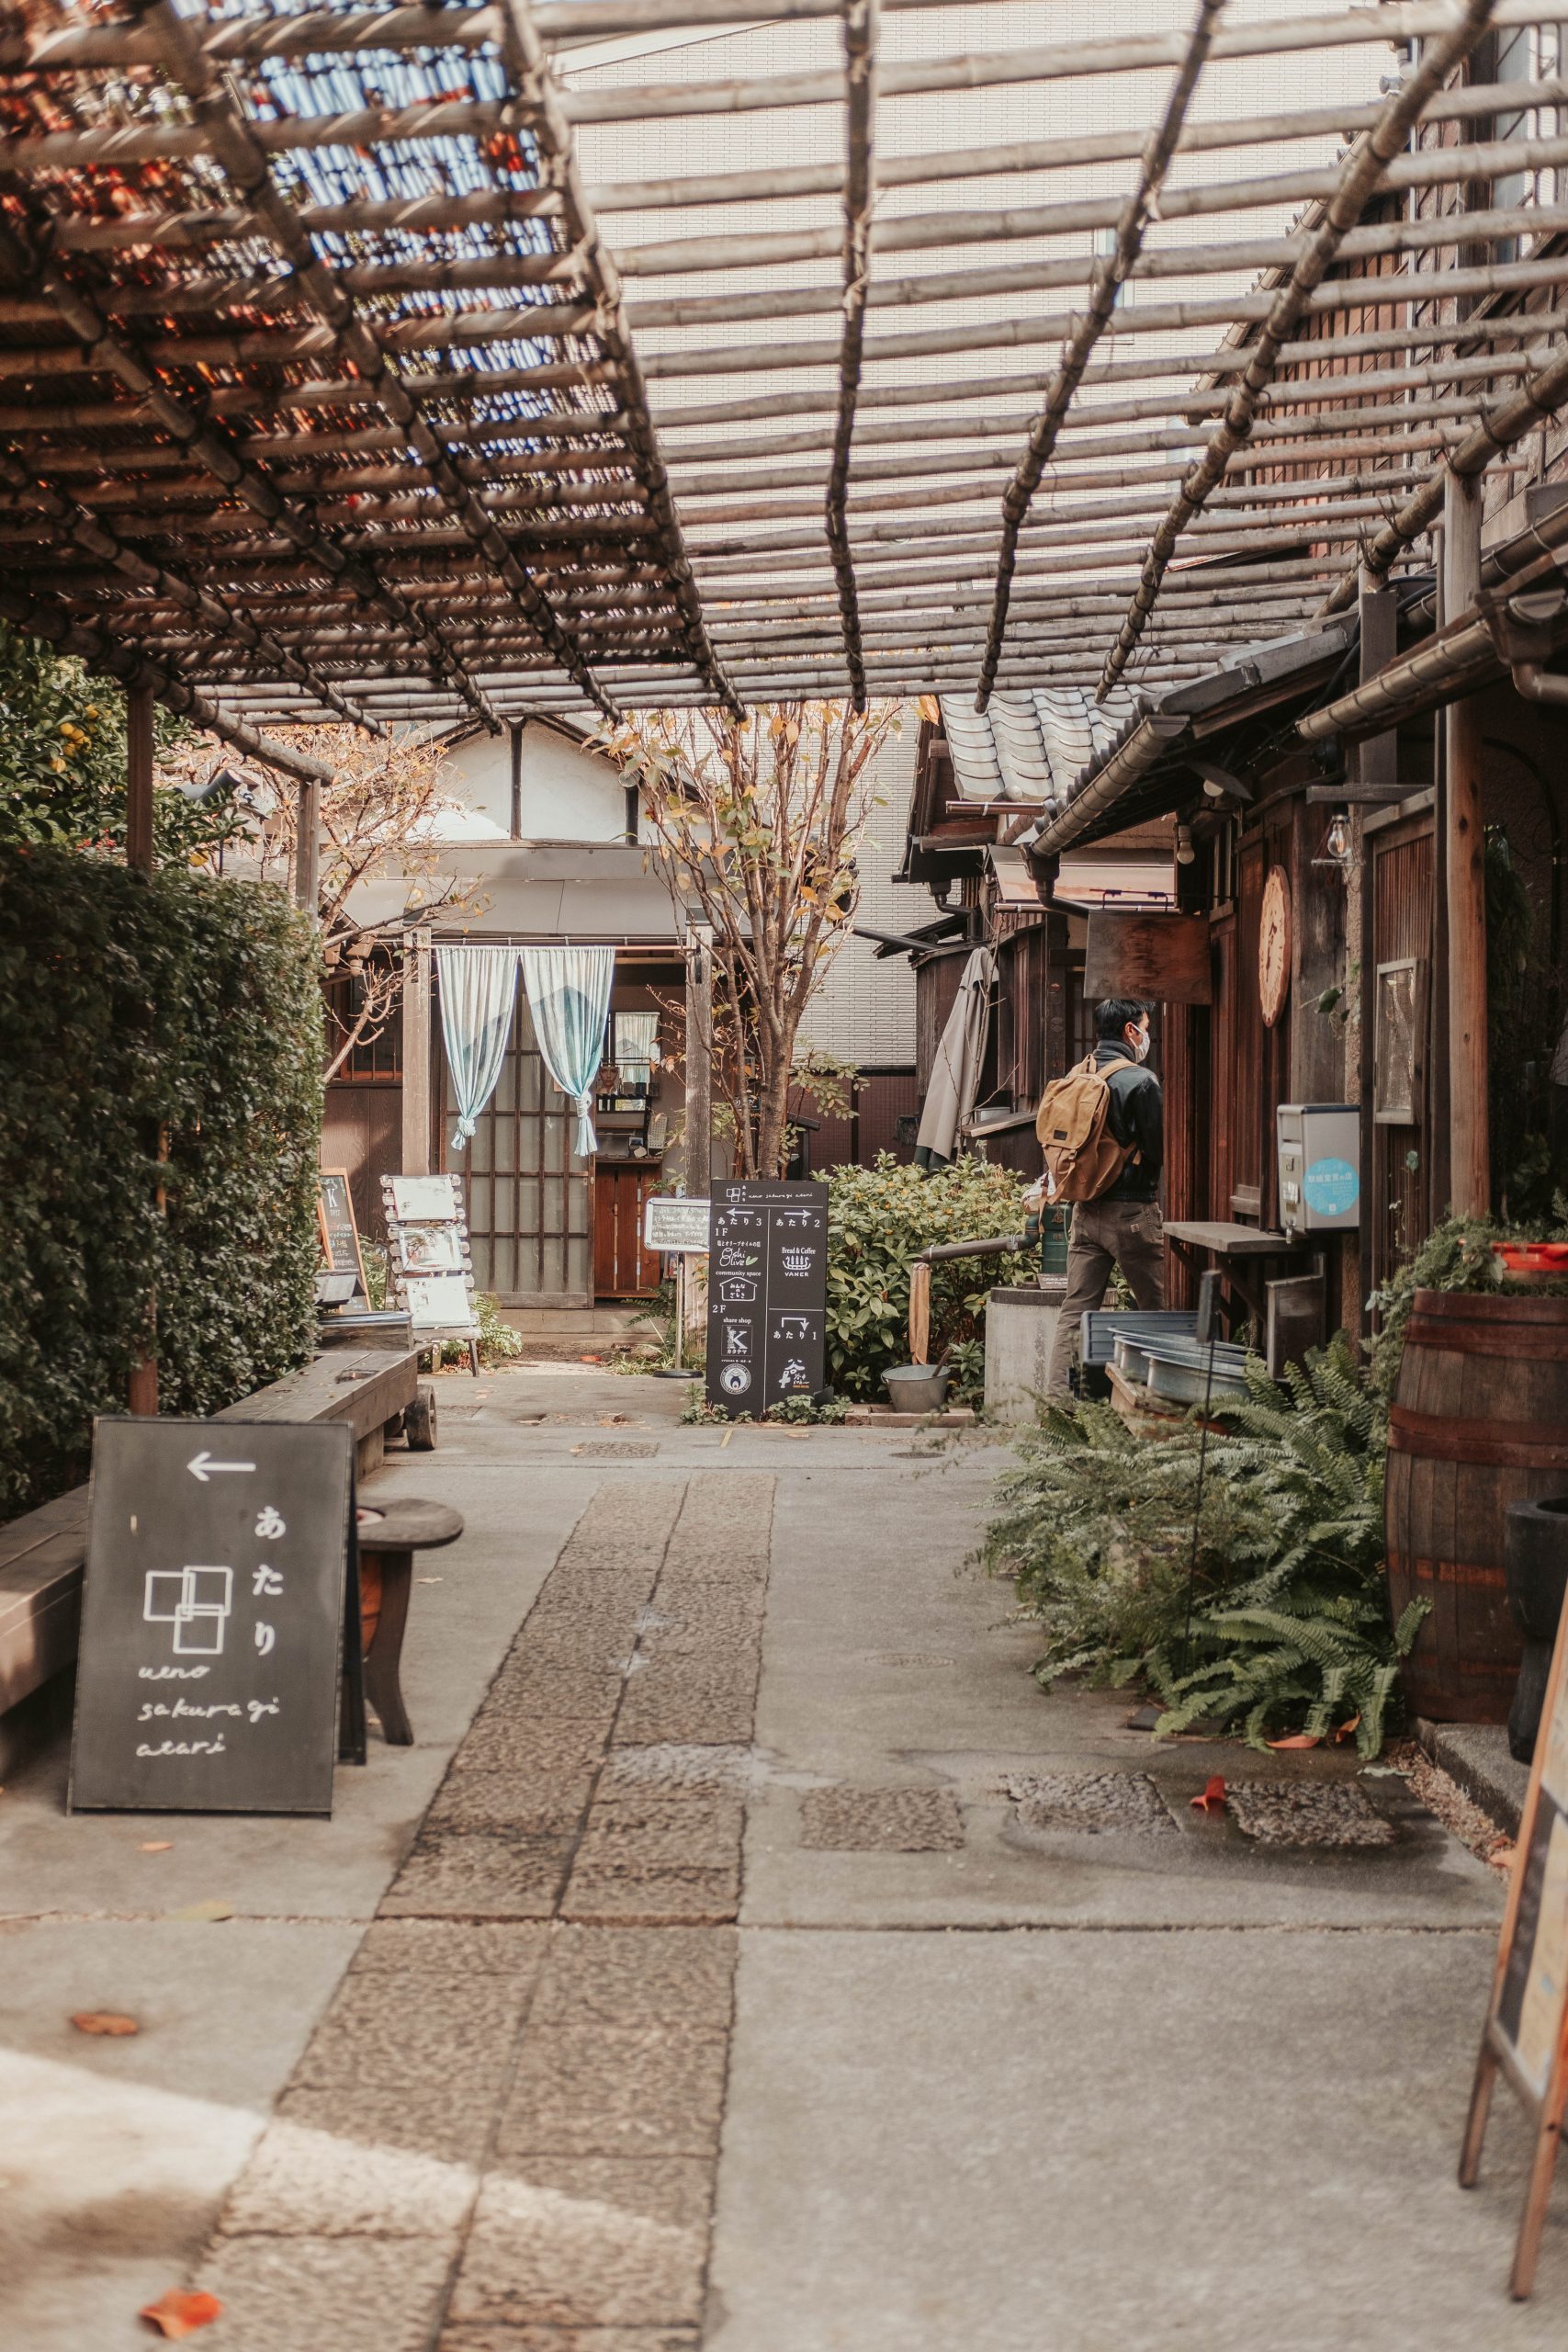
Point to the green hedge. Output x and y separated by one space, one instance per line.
878 1218
128 1004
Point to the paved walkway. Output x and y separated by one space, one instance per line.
748 1957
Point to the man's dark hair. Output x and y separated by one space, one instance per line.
1116 1012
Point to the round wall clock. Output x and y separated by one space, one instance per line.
1274 945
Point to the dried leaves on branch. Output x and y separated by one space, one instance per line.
756 822
378 818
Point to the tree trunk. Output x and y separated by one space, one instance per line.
772 1119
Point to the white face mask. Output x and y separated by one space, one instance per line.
1140 1046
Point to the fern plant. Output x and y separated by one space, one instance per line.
1288 1625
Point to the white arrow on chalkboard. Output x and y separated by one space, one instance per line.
202 1465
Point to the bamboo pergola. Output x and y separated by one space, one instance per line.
458 363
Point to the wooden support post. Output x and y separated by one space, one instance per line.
308 847
1374 770
1464 849
516 731
139 778
699 1059
416 1056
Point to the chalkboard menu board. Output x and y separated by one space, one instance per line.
340 1233
767 1294
212 1617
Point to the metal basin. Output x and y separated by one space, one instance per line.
1184 1379
917 1387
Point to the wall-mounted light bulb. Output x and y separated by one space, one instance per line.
1185 853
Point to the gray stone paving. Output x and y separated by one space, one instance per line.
520 2083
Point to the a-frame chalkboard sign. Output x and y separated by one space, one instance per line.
1525 2036
339 1227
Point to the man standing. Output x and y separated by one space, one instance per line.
1120 1225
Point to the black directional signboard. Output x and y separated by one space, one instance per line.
212 1617
767 1294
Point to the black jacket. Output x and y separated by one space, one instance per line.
1136 1116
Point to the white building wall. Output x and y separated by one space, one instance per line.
865 1013
570 794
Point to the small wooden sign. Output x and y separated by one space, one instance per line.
1526 2035
1159 958
340 1233
212 1617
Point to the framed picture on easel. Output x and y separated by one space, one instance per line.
432 1266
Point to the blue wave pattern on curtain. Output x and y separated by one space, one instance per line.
479 988
569 996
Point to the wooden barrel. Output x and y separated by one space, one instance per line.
1480 1421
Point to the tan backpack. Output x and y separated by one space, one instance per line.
1083 1159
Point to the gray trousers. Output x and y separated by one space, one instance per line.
1129 1234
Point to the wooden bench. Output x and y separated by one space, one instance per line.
42 1554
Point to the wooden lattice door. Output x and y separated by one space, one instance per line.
530 1198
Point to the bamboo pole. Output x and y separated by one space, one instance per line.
128 364
1359 177
913 231
332 31
356 342
1499 430
675 192
218 619
549 121
1395 21
860 186
1111 275
187 230
114 660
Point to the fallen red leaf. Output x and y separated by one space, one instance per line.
1212 1798
1348 1731
156 1846
103 2021
180 2312
1296 1740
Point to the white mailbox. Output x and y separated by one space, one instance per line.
1320 1167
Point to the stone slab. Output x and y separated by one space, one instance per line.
605 2091
1476 1756
588 2242
950 2139
353 2294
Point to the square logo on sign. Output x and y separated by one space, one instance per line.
196 1602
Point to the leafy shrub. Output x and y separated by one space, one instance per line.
1289 1623
499 1344
1456 1255
132 1007
881 1217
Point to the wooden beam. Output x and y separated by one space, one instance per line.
1321 249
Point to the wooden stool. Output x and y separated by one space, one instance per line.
389 1535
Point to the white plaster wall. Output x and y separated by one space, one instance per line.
568 794
865 1013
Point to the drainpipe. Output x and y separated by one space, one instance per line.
1537 684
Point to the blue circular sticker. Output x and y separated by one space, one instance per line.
1331 1187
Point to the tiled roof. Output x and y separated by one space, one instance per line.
1031 746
